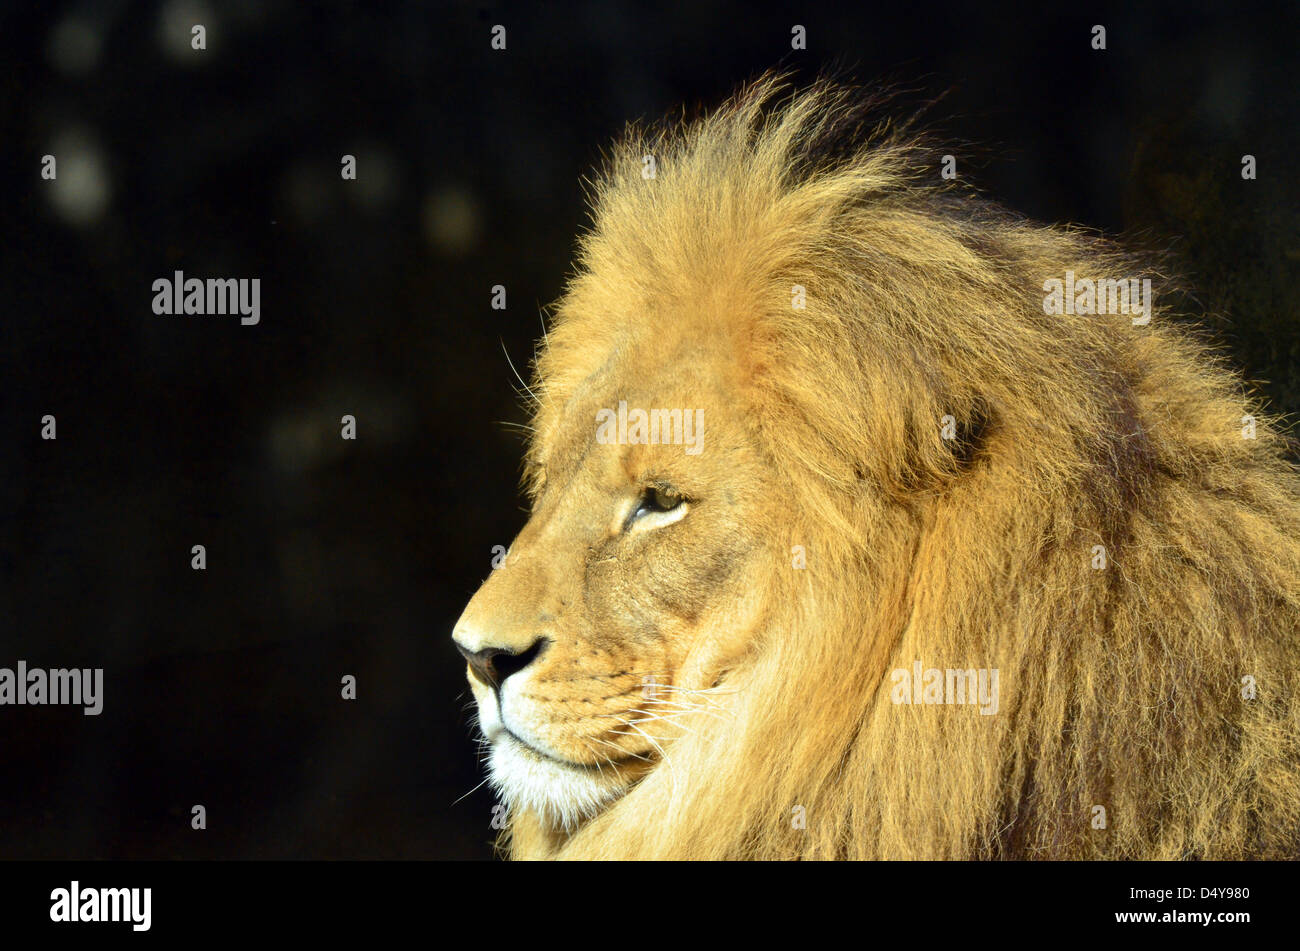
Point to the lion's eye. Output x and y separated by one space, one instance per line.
657 501
665 500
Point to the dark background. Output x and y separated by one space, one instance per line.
325 557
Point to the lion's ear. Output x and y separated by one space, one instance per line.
971 431
941 450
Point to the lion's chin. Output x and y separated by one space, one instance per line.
562 795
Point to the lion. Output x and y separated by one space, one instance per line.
813 442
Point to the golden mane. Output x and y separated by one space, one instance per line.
1153 676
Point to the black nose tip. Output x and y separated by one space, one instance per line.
492 665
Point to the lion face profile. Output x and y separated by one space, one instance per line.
809 450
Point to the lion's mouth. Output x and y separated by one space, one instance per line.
510 737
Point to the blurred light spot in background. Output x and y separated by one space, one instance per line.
309 190
81 190
376 183
452 220
308 436
75 45
176 22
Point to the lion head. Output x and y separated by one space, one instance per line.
809 439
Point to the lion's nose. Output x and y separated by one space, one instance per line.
493 665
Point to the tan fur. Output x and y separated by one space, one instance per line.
1121 687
